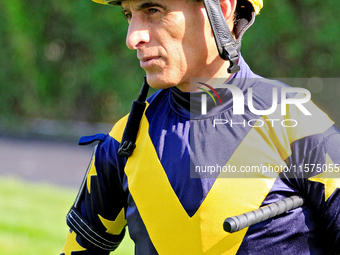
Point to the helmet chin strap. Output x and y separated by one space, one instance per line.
229 47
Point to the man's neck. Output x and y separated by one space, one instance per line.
222 74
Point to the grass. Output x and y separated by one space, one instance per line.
32 218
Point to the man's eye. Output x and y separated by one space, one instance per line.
153 10
128 16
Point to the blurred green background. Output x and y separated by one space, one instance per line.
66 62
32 219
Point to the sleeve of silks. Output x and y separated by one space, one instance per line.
97 218
316 171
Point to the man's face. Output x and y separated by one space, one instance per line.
173 40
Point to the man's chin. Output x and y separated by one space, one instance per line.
159 81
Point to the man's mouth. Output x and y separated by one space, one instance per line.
148 61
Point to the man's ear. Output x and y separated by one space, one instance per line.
228 8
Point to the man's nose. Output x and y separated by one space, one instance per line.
138 35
